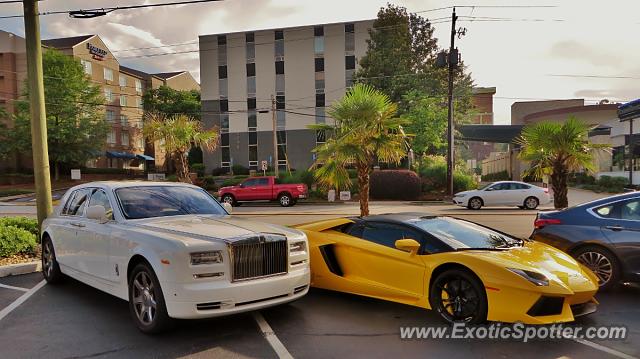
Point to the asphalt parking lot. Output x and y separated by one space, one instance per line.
73 320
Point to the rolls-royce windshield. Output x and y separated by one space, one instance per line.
160 201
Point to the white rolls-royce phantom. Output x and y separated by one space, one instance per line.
172 251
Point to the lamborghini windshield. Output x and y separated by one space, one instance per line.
461 234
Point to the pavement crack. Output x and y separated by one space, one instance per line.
93 355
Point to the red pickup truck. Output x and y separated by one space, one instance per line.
263 189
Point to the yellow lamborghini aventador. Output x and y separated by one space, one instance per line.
465 271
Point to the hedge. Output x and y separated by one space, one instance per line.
496 176
28 224
395 184
14 239
434 178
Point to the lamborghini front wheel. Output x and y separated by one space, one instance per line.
458 296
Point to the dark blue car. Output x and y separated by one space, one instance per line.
604 235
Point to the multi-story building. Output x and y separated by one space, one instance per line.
299 71
123 89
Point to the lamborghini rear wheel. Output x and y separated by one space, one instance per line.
458 296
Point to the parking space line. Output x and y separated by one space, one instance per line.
4 312
271 337
14 288
607 350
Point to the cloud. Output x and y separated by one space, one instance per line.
576 50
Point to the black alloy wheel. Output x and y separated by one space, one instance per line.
459 297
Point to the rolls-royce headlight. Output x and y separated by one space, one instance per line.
210 257
297 247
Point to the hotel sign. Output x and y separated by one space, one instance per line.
96 52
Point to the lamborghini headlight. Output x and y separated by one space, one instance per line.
534 277
210 257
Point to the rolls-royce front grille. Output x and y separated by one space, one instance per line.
259 256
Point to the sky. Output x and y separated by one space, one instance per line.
572 49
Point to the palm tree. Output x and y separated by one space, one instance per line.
556 149
179 134
365 130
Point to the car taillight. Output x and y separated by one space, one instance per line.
539 223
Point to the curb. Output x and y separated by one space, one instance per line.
20 268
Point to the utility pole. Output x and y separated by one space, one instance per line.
450 131
275 136
37 110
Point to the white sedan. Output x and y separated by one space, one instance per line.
504 193
172 251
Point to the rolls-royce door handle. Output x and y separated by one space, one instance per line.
78 224
615 228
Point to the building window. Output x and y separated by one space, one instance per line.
318 45
224 122
350 62
282 149
123 100
108 95
319 100
350 28
252 120
222 40
108 74
251 69
111 137
226 157
280 84
349 77
320 115
223 87
224 105
109 116
319 64
222 55
321 136
250 37
251 86
122 80
251 103
124 138
253 138
123 120
139 102
281 120
222 72
87 67
253 157
279 44
319 82
279 35
279 67
318 30
224 139
280 102
250 46
138 86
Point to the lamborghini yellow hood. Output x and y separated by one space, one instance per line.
556 265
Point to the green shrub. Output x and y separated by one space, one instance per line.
395 184
198 168
433 172
231 182
172 178
240 170
581 178
28 224
612 184
219 171
14 240
303 176
497 176
209 183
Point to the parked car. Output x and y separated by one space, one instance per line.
172 251
504 193
464 271
603 234
263 189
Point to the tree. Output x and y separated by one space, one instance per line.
556 149
400 58
75 119
179 133
366 129
169 101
